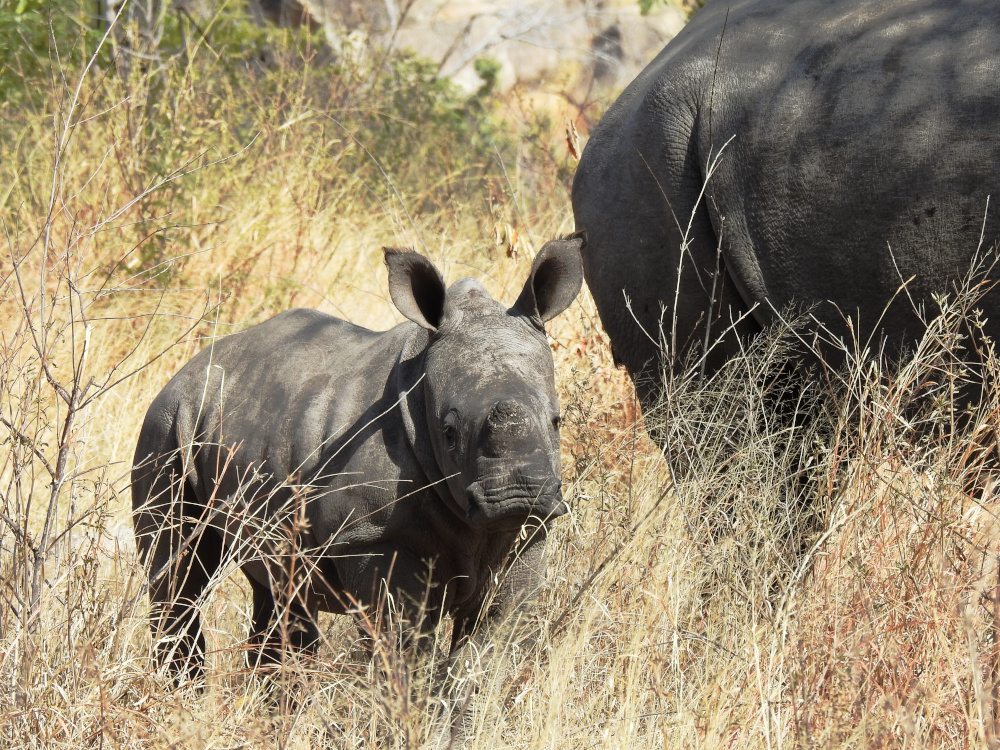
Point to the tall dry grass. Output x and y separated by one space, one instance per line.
764 582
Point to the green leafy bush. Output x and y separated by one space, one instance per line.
41 38
260 103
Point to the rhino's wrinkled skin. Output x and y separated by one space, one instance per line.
854 144
338 465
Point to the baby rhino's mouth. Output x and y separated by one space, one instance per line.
512 502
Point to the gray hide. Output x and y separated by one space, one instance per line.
854 146
340 467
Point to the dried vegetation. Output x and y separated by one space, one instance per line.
763 583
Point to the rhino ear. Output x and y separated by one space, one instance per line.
416 287
555 280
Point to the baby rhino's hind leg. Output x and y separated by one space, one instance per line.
177 583
180 556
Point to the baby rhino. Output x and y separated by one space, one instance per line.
343 468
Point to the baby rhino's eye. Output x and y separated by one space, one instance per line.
450 430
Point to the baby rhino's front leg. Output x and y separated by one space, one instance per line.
391 590
503 630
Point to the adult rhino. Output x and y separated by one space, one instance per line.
814 153
341 467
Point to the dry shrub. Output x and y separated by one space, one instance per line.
841 560
897 631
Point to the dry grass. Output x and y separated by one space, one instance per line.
698 598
